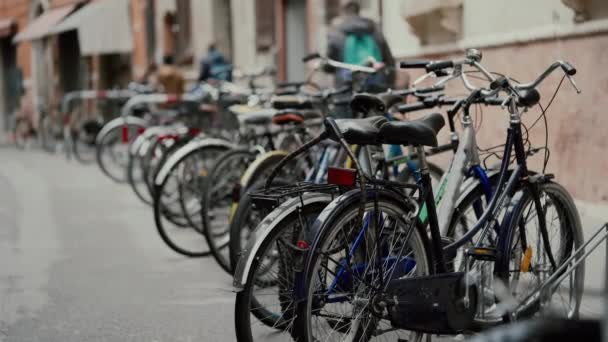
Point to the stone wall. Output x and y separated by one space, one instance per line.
578 124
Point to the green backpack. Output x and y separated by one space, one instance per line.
359 48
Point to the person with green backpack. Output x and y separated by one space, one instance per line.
357 40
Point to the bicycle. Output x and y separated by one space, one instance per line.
382 281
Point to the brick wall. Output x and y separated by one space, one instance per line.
578 124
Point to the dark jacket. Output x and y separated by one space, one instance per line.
215 66
359 25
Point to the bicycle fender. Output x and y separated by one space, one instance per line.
117 122
247 178
190 147
265 228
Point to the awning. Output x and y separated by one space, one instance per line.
103 27
42 26
6 27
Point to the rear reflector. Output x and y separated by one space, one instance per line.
125 134
339 176
302 244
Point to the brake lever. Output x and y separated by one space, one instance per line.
578 91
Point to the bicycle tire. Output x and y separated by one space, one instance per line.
159 206
218 241
570 227
344 209
246 302
103 146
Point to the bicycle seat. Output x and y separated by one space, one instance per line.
366 103
421 132
288 116
285 117
259 118
291 102
359 131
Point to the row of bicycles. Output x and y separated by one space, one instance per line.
342 229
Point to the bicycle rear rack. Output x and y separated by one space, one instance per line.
546 290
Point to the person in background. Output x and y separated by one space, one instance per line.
214 66
170 78
357 40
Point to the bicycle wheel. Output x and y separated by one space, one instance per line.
83 141
245 219
529 256
217 207
167 198
345 269
113 150
135 168
268 292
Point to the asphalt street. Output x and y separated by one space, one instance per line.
80 260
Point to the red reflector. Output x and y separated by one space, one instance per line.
302 244
125 134
339 176
193 131
140 130
173 98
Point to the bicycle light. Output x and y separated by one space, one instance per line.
340 176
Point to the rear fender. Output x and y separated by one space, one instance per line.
265 228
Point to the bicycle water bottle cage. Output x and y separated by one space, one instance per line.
432 304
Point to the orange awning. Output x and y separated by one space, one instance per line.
41 26
7 26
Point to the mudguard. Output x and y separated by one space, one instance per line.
248 177
270 222
190 147
129 120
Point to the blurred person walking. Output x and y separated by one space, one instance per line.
354 39
215 66
170 78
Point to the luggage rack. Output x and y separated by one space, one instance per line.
273 197
546 290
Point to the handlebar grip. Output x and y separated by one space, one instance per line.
439 65
568 69
310 57
430 89
417 64
500 82
494 101
412 107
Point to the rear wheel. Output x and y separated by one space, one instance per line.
217 205
113 150
346 269
168 201
268 293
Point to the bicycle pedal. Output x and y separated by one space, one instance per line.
482 253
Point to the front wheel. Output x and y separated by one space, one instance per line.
539 234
